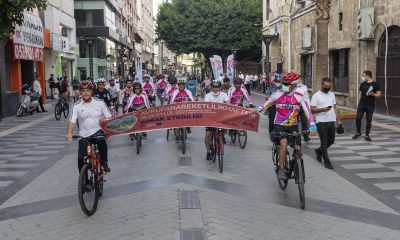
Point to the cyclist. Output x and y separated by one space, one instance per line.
216 95
170 89
206 85
89 111
101 92
193 86
137 101
149 89
114 91
126 93
288 106
237 93
161 85
226 86
62 86
178 96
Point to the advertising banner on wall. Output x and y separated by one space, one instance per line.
28 42
188 114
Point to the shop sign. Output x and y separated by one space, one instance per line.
28 38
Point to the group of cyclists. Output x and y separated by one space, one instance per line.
289 103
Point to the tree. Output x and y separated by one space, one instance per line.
11 13
212 27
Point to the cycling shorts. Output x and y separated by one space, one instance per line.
286 129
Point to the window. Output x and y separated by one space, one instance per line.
340 70
306 70
340 21
64 31
89 18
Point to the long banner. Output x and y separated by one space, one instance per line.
230 67
189 114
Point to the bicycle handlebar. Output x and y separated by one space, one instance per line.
293 134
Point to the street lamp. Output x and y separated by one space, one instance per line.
90 42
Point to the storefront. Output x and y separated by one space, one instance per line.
27 55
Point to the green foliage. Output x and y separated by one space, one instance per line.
211 26
11 13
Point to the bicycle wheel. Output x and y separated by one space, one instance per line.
242 136
183 136
57 111
212 148
282 183
88 190
233 135
300 181
138 142
66 110
220 153
167 134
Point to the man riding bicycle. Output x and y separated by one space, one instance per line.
214 96
193 86
89 111
149 89
178 96
114 91
226 86
288 106
101 92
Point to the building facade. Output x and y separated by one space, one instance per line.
339 39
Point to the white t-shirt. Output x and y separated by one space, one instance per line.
323 100
220 98
88 115
113 90
37 88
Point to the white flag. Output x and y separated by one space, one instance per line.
219 70
230 67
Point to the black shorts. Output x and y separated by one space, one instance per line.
210 129
286 129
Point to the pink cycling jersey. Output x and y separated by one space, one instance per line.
181 96
148 88
137 102
235 95
162 84
288 108
168 92
125 95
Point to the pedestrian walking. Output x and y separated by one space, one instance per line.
247 82
37 88
369 90
323 105
52 85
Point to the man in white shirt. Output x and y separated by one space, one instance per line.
323 105
214 96
247 83
89 111
37 88
114 90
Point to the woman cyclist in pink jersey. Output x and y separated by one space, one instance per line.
288 105
170 89
178 96
137 101
149 89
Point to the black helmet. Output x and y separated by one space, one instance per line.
340 129
137 85
172 80
226 79
216 83
238 81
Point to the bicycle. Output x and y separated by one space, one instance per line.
241 135
294 164
217 147
91 177
160 91
61 107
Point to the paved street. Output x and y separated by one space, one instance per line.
162 194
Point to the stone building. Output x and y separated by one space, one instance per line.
339 39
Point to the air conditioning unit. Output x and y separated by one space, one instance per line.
306 38
366 23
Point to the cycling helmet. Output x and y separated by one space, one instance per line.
137 85
216 83
59 78
340 129
101 80
86 84
181 81
192 77
172 80
159 76
238 81
146 76
290 78
226 79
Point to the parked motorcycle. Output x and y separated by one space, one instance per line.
28 102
